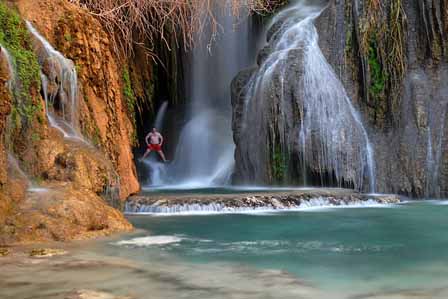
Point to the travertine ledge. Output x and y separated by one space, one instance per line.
280 200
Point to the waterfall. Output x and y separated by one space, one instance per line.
157 169
12 72
205 152
14 88
15 169
329 137
60 87
160 118
434 153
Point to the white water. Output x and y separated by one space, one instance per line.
14 88
156 168
205 152
434 153
220 208
60 88
160 118
330 135
12 73
15 168
150 240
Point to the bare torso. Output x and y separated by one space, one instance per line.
154 138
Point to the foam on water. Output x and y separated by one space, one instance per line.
150 241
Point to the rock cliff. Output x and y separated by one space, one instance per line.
391 58
53 187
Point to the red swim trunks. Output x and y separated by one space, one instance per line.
155 147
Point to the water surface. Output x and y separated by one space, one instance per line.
396 252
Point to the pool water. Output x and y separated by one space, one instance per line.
342 253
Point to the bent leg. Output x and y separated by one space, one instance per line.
148 151
162 155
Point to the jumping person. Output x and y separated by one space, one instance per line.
154 141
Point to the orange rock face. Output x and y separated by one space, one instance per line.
64 213
82 182
103 115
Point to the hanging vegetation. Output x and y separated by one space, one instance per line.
380 32
142 22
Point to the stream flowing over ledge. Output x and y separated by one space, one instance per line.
258 201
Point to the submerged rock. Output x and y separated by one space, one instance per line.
46 252
90 294
4 252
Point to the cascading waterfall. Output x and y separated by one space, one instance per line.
330 137
434 153
14 88
157 169
12 80
60 87
205 152
15 168
160 118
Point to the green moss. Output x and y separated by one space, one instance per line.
68 37
15 118
16 39
279 165
78 68
377 76
131 103
128 92
96 137
35 137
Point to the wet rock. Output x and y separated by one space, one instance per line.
102 115
91 294
409 138
278 200
4 252
46 252
277 204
